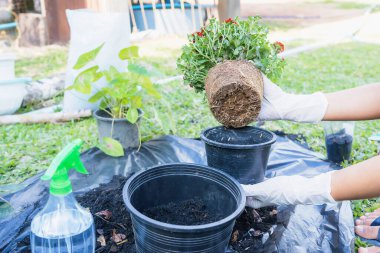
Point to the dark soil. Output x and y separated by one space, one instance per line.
234 92
109 199
113 222
189 212
250 228
242 136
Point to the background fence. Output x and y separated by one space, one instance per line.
167 16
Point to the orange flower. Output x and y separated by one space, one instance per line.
280 45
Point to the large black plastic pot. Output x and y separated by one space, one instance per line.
175 183
243 152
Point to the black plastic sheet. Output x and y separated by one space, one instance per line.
300 228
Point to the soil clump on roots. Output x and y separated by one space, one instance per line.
234 92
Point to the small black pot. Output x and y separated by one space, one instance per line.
339 146
243 152
123 131
175 183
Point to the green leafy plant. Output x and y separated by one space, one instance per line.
233 39
360 207
123 94
359 243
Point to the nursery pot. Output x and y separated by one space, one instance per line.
123 130
243 153
339 139
170 183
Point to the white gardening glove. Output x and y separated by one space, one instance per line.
278 104
290 190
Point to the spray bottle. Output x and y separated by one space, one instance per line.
63 226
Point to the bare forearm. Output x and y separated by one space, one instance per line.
361 103
359 181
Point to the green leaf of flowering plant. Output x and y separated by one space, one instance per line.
132 115
111 147
111 74
233 39
136 102
97 96
138 69
147 84
85 58
84 80
129 53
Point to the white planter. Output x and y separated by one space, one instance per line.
12 93
7 66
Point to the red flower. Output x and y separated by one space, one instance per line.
280 45
230 20
200 34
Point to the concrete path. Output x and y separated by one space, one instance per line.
366 27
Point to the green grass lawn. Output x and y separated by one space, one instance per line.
52 61
28 149
352 5
347 4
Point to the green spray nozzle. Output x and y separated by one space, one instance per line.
68 158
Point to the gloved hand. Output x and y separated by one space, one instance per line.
290 190
278 104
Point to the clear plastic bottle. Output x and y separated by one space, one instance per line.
63 226
376 138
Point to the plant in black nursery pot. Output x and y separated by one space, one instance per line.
120 100
226 60
339 139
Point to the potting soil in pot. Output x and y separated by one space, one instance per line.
189 212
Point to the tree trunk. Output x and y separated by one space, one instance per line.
43 90
43 117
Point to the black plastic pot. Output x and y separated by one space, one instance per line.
123 130
339 146
175 183
243 152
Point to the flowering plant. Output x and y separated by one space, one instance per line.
232 39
